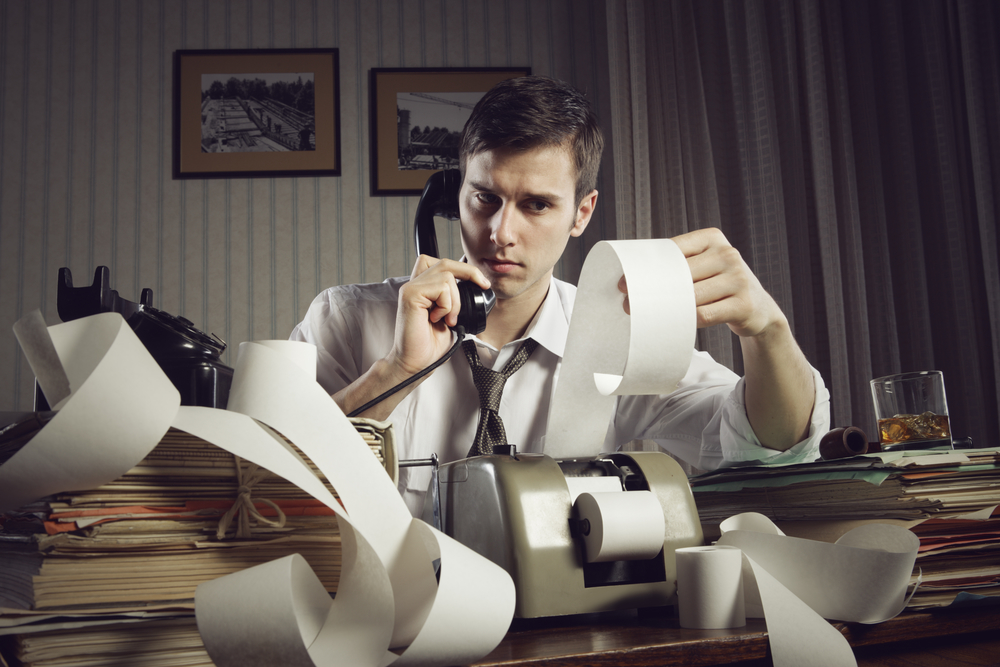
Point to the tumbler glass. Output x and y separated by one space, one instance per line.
912 411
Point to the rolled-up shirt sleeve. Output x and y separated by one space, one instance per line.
704 423
351 326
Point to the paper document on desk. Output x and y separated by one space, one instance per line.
611 353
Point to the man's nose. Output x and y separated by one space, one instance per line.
502 226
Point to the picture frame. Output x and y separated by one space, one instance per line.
247 113
405 101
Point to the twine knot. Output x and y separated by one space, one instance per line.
243 508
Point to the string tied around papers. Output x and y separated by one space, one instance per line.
755 570
389 608
243 509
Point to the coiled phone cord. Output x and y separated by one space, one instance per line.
460 333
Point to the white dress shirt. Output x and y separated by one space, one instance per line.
703 423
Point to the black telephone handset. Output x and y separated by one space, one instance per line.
440 198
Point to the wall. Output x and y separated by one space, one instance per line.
86 149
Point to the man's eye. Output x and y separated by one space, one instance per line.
536 206
487 199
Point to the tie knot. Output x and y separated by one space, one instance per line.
512 365
489 384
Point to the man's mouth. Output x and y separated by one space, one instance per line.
501 266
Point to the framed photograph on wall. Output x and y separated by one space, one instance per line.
417 116
256 113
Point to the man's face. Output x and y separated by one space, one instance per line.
518 212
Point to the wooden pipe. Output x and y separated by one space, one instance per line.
843 442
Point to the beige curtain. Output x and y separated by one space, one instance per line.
851 151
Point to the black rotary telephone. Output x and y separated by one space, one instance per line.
189 357
440 198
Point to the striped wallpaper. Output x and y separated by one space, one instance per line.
86 149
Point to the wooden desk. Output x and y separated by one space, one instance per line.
924 639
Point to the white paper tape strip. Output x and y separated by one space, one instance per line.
387 597
121 405
796 634
456 620
36 343
795 584
610 353
862 577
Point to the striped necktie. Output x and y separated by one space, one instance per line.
490 384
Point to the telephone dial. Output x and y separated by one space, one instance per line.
440 198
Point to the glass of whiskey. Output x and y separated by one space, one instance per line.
912 411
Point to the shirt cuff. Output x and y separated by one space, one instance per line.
741 446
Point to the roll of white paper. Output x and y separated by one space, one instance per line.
609 352
626 525
710 587
578 485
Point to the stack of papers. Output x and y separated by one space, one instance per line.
958 557
118 564
948 499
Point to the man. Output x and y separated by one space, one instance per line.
529 158
306 138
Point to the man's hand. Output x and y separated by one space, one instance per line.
779 391
725 289
428 305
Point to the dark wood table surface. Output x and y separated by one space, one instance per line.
914 639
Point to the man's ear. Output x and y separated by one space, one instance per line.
583 213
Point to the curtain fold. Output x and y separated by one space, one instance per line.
850 150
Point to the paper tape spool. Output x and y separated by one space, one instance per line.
625 525
710 587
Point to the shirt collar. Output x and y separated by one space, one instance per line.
550 327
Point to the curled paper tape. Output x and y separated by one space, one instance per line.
388 597
862 577
120 406
452 621
610 353
796 583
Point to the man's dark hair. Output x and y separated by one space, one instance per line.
534 111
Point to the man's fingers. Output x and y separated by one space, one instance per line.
438 294
723 311
436 281
722 286
700 240
458 270
451 319
623 288
423 263
714 262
